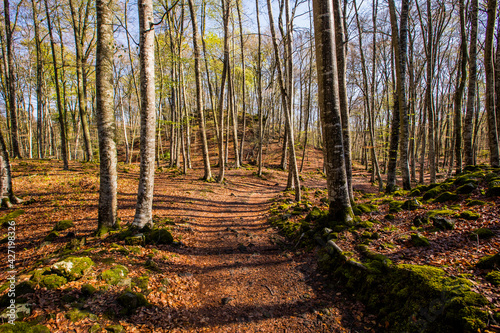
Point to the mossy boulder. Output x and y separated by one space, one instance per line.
440 212
115 328
63 225
490 261
135 240
482 233
4 220
76 315
411 204
471 203
159 236
395 206
493 191
443 223
419 240
416 192
21 311
52 281
23 327
446 196
432 193
115 276
420 220
315 214
364 224
466 188
493 277
73 268
469 215
464 179
75 243
88 290
364 208
131 301
52 236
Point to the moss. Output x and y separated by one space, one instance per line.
415 192
142 282
315 214
493 191
130 301
446 196
419 240
4 220
466 188
23 327
443 223
464 179
469 215
490 261
471 203
52 236
493 277
395 206
159 236
482 233
389 217
73 268
114 275
432 193
87 290
115 328
411 204
52 281
440 212
420 220
63 225
364 224
76 315
364 208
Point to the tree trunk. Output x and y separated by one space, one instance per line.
106 124
328 100
490 84
143 214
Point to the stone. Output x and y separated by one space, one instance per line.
411 204
73 268
466 188
21 311
115 329
115 275
152 265
52 236
138 239
52 281
419 240
482 233
131 301
446 196
493 191
63 225
443 223
159 236
420 220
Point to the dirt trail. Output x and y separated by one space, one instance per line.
247 282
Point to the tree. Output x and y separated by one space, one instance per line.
199 98
144 208
11 82
328 99
7 196
490 84
106 124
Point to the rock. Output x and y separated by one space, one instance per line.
23 327
95 328
52 281
21 311
131 301
419 240
73 268
63 225
468 215
446 196
142 282
482 233
115 328
466 188
226 300
152 265
493 191
411 204
52 236
476 203
419 220
138 239
159 236
490 261
75 243
443 223
76 315
115 275
493 277
4 220
88 290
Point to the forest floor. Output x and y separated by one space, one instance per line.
229 270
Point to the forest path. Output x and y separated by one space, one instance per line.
246 281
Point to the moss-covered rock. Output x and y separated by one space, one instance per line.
76 315
115 275
411 204
416 192
52 236
135 240
18 312
446 196
73 268
440 212
131 301
469 215
23 327
482 233
466 188
420 220
159 236
364 224
493 277
364 208
142 282
395 206
490 261
432 193
52 281
389 217
443 223
4 220
315 214
87 290
493 191
465 179
63 225
75 243
115 328
419 240
471 203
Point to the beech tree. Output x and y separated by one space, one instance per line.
144 208
328 99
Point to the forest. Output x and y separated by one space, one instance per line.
339 160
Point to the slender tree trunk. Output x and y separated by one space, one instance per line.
328 100
259 88
144 209
459 92
16 153
106 124
490 84
243 82
40 106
